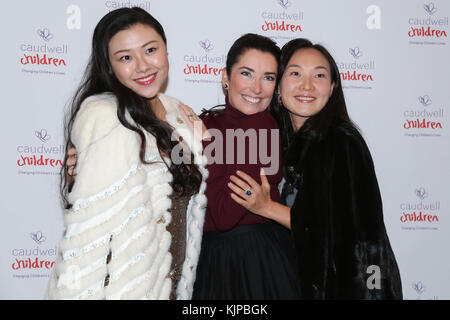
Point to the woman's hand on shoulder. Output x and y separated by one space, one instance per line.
194 122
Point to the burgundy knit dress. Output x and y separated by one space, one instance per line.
243 255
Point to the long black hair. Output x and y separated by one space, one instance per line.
99 77
240 46
317 125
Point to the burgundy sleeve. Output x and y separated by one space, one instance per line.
222 209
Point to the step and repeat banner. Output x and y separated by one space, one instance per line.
394 59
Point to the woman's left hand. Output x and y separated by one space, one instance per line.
250 194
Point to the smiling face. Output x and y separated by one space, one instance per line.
138 58
252 81
306 85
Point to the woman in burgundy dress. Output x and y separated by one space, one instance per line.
243 255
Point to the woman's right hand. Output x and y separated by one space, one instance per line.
257 200
255 197
71 162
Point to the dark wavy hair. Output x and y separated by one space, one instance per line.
99 77
317 125
240 46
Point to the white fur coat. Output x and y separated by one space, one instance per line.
117 225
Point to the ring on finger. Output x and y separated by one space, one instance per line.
248 192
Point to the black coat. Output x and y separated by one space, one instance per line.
337 218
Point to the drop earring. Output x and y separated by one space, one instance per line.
279 101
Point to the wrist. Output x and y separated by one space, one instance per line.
269 209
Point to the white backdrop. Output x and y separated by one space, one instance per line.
393 57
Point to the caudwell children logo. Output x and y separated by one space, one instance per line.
205 65
38 237
419 288
425 100
206 45
284 3
421 193
424 119
45 34
44 57
430 8
355 52
33 261
42 135
422 213
283 19
429 27
40 156
113 5
357 71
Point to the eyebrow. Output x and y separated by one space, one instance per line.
126 50
251 70
299 66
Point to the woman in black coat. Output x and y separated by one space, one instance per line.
330 199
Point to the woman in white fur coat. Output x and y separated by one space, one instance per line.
134 215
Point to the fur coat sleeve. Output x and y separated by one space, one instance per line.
337 221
